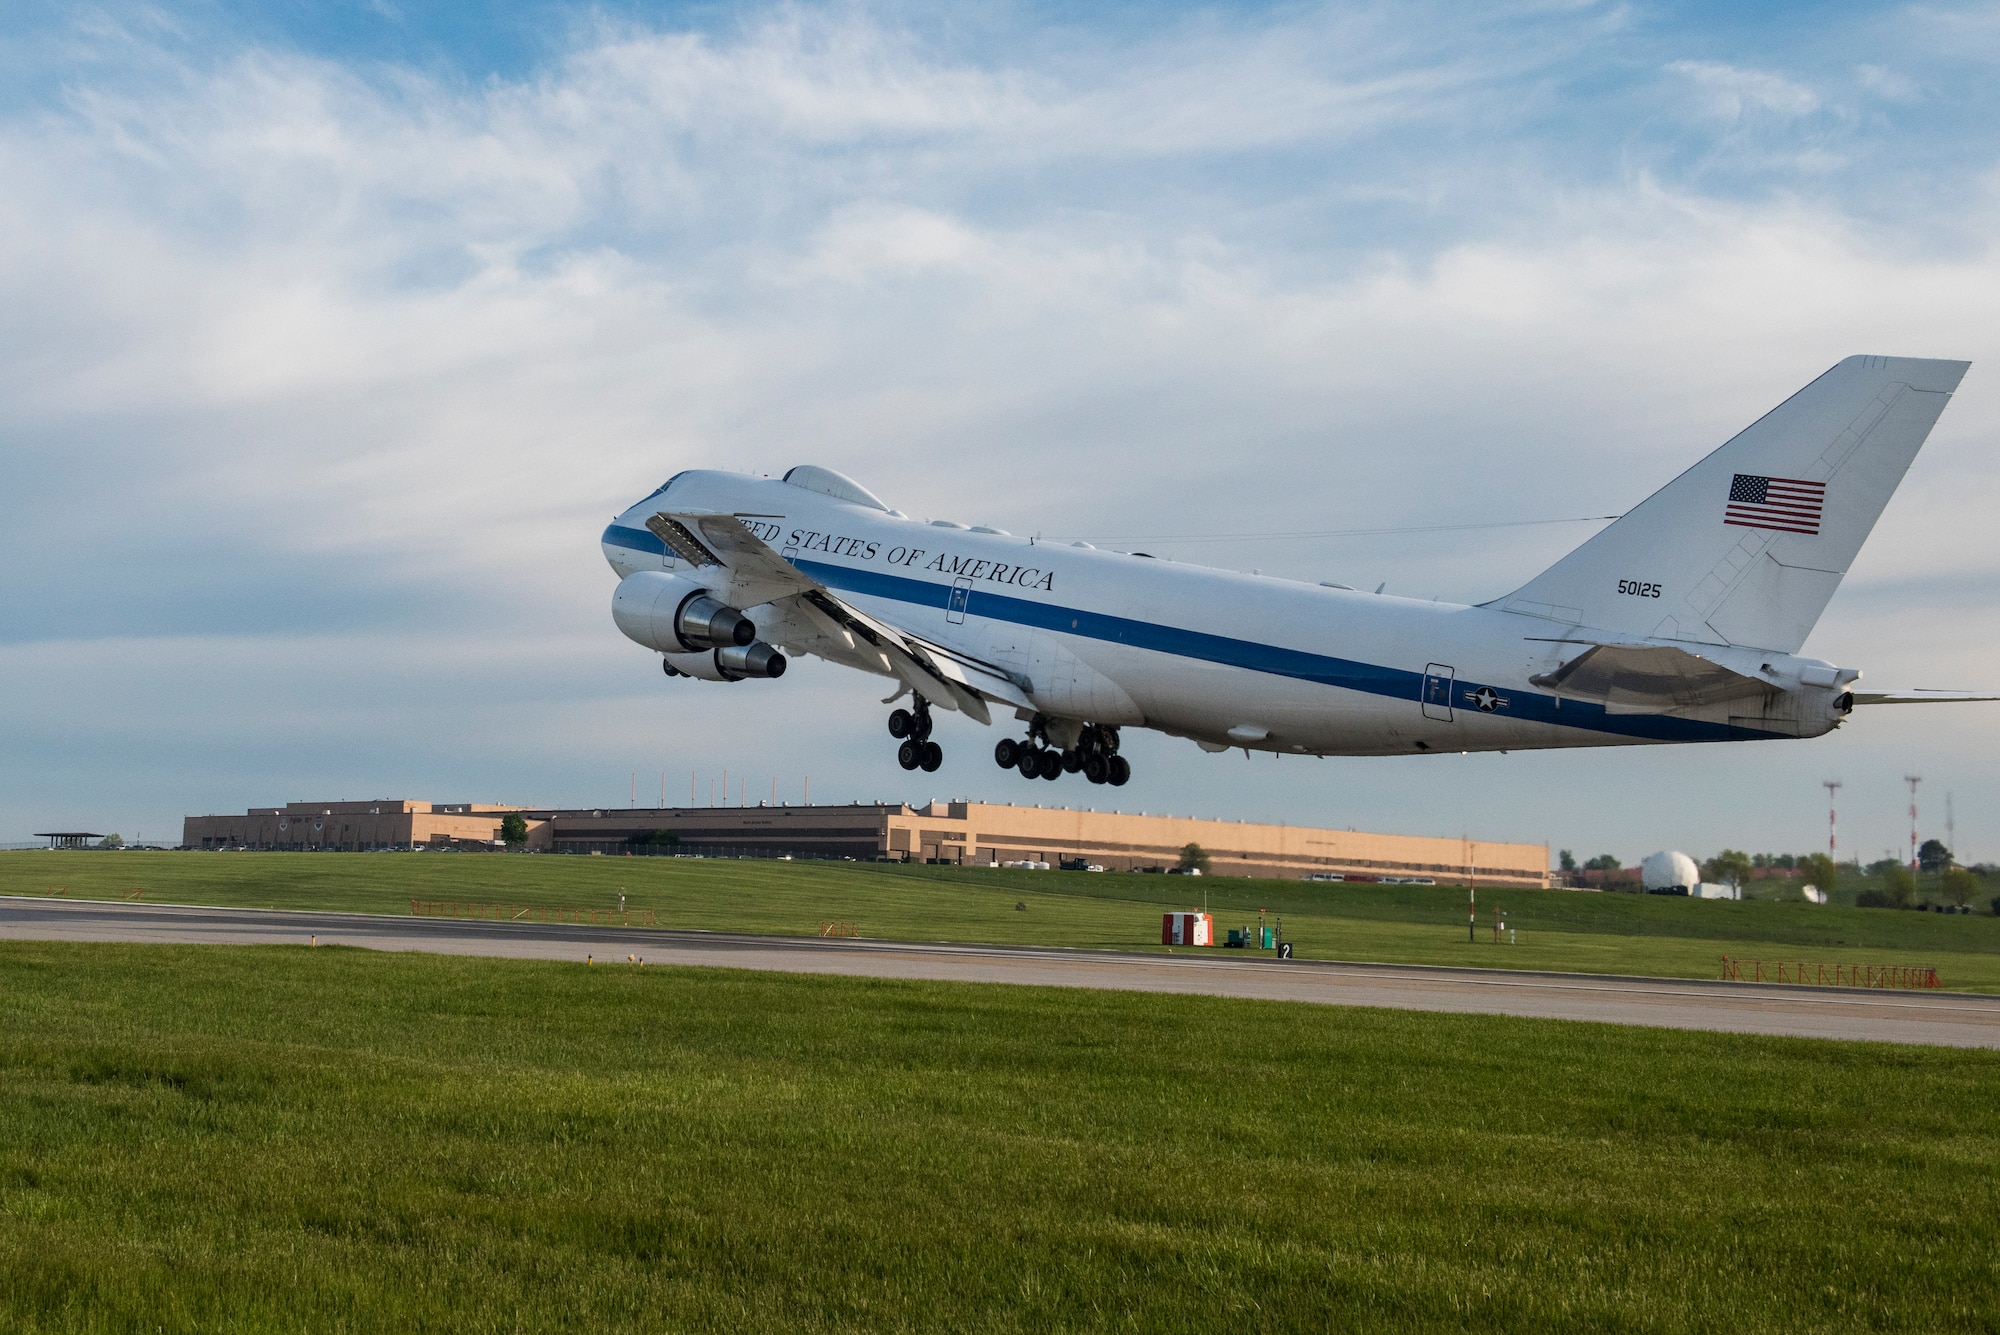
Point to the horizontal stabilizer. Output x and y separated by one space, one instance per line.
1918 695
1648 678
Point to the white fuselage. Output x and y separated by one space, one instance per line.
1224 658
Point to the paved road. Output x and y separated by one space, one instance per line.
1955 1019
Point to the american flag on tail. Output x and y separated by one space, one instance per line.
1783 503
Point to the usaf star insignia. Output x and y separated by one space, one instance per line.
1487 699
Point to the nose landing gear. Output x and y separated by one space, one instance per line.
918 751
1094 754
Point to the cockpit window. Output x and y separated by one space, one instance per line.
662 488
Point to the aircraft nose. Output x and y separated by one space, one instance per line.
615 550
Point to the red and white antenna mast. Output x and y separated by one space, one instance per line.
1913 780
1832 787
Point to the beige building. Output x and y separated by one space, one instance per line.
353 827
948 832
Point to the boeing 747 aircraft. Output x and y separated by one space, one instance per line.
1680 622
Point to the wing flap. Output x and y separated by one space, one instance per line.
951 678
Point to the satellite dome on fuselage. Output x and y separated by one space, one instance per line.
837 485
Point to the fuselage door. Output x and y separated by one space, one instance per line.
961 593
1437 691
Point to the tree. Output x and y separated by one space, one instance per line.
1729 866
1819 870
1602 862
1568 862
111 841
1933 855
1899 887
514 829
1193 858
1959 885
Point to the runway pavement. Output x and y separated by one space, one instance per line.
1954 1019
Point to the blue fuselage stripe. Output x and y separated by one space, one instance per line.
1346 674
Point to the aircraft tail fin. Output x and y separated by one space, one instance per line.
1747 546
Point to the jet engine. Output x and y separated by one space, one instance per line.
731 663
675 615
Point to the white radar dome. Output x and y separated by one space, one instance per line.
1669 871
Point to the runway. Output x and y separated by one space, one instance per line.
1953 1019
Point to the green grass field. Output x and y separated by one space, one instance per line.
1557 929
280 1138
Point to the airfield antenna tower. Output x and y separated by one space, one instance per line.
1832 787
1950 832
1913 780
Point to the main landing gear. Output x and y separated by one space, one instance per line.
1094 753
918 751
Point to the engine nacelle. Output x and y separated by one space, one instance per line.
675 615
730 663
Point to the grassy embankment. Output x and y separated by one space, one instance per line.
1604 933
278 1138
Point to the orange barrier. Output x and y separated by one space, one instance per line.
837 927
594 917
1829 975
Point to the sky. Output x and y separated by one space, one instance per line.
331 334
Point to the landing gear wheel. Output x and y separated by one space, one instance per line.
1006 753
933 756
1072 762
1029 761
902 723
1096 769
1121 771
910 754
1052 765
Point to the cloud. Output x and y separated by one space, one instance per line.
1731 93
321 377
1887 83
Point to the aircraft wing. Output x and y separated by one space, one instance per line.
1917 695
754 575
1648 679
941 675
